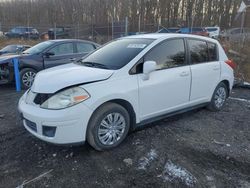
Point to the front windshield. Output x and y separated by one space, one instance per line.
10 48
116 54
38 48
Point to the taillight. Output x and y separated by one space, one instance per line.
231 64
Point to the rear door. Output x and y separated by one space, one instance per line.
205 69
63 53
168 88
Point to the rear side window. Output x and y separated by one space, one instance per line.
198 51
84 47
212 52
168 54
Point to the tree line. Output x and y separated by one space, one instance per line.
140 13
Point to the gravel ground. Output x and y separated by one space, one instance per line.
195 149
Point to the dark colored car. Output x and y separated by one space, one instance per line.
23 32
42 56
195 31
59 32
14 49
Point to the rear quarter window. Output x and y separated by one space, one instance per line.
212 52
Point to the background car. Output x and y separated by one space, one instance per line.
59 32
23 32
169 30
214 32
42 56
236 34
195 31
14 49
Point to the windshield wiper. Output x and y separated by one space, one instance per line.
95 65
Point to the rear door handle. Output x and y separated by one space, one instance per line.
72 59
184 73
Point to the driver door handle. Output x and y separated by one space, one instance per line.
72 59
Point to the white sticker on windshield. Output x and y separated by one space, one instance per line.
136 46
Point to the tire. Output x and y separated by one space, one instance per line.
102 137
219 98
27 76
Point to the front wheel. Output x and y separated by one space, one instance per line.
219 97
27 76
108 126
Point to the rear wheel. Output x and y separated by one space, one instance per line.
108 126
27 76
219 97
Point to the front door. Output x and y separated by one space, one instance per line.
168 88
62 54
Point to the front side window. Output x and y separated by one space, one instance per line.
198 51
168 54
62 49
13 30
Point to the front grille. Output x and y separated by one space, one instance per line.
41 98
31 125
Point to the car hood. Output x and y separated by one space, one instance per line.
6 58
54 79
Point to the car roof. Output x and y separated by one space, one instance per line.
73 40
168 35
18 45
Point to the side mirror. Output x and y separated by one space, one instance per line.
48 54
148 67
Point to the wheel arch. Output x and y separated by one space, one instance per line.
28 67
227 83
125 104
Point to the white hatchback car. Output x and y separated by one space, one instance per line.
127 83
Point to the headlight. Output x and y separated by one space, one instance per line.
66 98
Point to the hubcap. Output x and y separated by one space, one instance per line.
28 78
111 129
220 97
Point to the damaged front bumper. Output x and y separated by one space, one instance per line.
6 74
